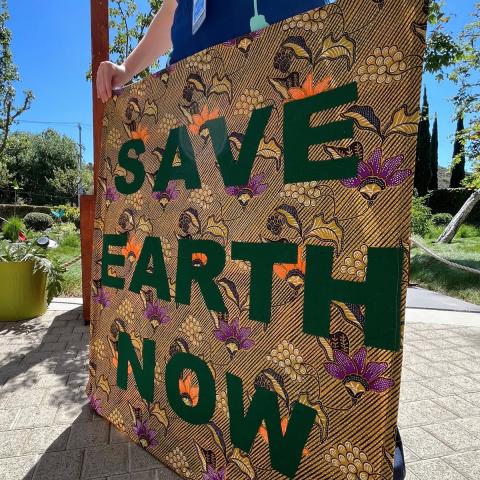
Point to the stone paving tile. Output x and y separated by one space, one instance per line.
35 417
88 434
411 391
59 466
452 434
423 444
107 460
116 436
422 412
468 464
46 439
7 417
141 459
459 406
12 441
17 468
73 413
435 469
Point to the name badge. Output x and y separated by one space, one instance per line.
199 14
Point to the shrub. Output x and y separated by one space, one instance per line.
441 219
72 214
8 210
12 227
421 217
71 240
468 231
451 200
38 221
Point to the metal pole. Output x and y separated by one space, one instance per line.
80 161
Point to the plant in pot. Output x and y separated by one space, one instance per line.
28 280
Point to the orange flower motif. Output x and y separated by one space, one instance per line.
283 424
140 134
293 273
132 250
199 119
309 88
188 392
115 363
199 259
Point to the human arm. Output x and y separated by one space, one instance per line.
156 42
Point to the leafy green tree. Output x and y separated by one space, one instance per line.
9 110
67 180
34 160
434 156
423 172
129 24
458 161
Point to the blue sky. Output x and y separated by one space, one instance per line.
51 47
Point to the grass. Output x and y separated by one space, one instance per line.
68 249
434 275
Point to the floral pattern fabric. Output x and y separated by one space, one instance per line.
354 389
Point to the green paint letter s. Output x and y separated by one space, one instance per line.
132 165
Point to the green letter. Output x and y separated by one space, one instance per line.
178 139
143 377
237 173
285 450
205 408
204 275
299 137
380 293
156 276
133 165
262 257
112 259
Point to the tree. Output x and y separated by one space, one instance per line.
129 25
458 161
66 181
434 156
33 160
9 110
422 161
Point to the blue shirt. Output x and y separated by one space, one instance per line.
226 20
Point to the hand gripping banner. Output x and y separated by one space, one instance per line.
251 249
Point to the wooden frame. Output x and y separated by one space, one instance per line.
100 52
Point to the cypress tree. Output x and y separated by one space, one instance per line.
423 172
434 156
458 162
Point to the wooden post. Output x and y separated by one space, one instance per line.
100 45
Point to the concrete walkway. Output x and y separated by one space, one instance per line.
48 432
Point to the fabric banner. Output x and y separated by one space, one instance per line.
251 248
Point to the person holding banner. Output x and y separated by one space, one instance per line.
189 26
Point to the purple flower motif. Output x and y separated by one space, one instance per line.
375 176
254 188
95 404
102 298
111 195
146 436
156 314
357 375
212 474
170 194
234 336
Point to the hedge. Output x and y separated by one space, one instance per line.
7 211
450 200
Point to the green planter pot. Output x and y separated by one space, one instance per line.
22 293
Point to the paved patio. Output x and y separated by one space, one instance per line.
47 430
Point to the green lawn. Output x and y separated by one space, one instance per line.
430 273
69 249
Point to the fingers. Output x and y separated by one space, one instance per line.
104 82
